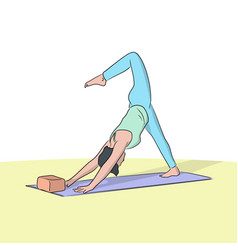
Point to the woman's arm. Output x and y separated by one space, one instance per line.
118 150
87 169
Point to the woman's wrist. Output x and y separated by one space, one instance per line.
74 179
91 185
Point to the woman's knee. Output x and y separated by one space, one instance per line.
134 56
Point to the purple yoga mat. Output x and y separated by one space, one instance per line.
129 182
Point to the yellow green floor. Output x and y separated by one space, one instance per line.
204 211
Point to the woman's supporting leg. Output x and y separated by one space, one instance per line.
154 129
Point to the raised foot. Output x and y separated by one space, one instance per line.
172 172
99 80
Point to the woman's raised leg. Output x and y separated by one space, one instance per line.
141 95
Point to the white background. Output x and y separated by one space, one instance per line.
49 49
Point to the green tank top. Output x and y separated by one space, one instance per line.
134 121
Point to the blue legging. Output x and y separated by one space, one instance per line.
141 95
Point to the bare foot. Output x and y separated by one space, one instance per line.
172 172
99 80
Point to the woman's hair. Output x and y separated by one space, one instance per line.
104 156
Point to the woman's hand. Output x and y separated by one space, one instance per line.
69 182
83 189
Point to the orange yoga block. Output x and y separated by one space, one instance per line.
51 183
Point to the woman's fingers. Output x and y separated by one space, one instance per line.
82 189
79 189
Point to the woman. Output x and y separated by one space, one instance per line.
127 135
